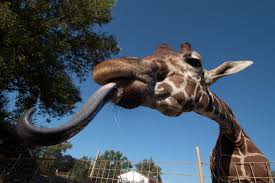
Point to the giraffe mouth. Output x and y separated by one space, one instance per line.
130 93
131 77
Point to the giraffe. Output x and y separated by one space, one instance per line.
182 86
172 84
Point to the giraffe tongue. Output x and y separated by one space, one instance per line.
51 136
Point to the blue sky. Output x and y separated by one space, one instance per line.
220 31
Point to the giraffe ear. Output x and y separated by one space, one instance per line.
227 68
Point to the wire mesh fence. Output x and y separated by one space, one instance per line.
98 170
162 172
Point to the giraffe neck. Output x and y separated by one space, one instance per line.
235 156
217 110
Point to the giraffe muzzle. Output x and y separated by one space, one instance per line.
133 77
121 69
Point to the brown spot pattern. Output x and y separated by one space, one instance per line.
190 87
203 102
177 79
180 98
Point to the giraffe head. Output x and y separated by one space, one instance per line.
168 81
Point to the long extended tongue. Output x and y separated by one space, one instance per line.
50 136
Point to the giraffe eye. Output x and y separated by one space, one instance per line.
193 62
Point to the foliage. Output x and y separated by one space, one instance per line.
81 169
56 159
45 45
56 151
149 168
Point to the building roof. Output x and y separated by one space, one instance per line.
136 177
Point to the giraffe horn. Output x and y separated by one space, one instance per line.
50 136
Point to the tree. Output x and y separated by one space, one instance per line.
110 165
45 45
53 158
57 151
81 169
150 169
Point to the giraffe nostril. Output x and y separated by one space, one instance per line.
163 90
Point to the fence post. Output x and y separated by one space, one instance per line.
199 164
94 164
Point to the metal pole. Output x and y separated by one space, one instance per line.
94 164
199 164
